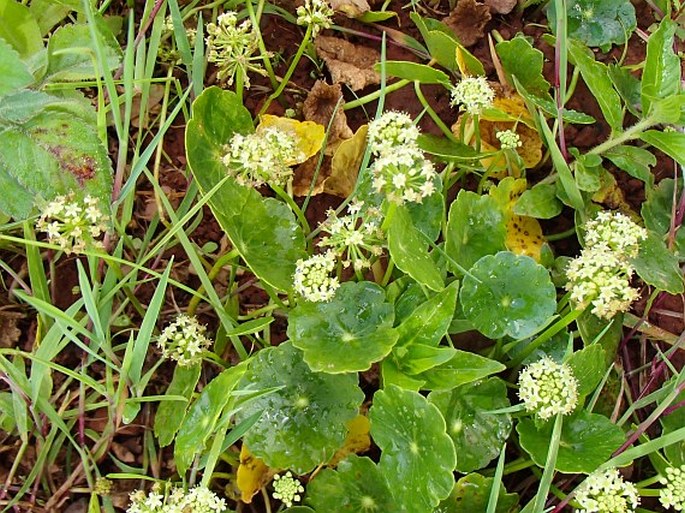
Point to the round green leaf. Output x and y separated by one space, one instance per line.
346 334
357 485
471 494
263 230
475 228
597 22
418 456
477 435
587 441
658 266
507 294
304 420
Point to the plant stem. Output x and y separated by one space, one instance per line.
632 133
376 94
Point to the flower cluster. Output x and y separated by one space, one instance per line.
673 493
601 274
73 226
400 170
474 94
548 388
184 340
287 489
197 500
315 13
356 237
606 492
508 139
261 157
231 47
312 278
167 51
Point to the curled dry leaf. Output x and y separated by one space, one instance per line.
468 20
319 107
308 135
345 165
348 63
306 173
501 6
252 475
350 8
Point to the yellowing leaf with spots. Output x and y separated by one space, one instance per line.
357 440
524 234
252 475
308 135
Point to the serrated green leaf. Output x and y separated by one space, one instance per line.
476 227
356 485
408 250
170 414
414 71
15 75
19 28
658 266
471 494
634 161
477 435
263 230
588 367
346 334
661 74
53 150
596 77
587 441
304 419
671 143
520 59
507 294
539 202
203 415
628 87
417 455
445 149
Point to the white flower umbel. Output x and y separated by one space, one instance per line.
601 278
72 225
615 231
508 139
261 157
606 492
356 237
391 130
474 94
287 489
167 51
231 46
312 278
404 175
184 341
547 388
195 500
673 493
315 13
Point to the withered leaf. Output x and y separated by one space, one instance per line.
468 20
348 63
350 8
345 165
319 107
501 6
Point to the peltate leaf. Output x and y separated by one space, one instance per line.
477 435
417 454
346 334
471 494
304 419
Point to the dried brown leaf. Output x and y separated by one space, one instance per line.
501 6
305 174
9 333
348 63
468 20
350 8
319 107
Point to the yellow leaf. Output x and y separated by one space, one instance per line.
357 440
252 475
308 135
345 164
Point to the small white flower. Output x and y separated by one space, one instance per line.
474 94
402 175
315 13
673 493
606 492
184 341
312 278
508 139
548 388
391 130
616 231
261 157
287 489
195 500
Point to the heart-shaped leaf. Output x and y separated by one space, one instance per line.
417 454
346 334
304 419
477 435
506 294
